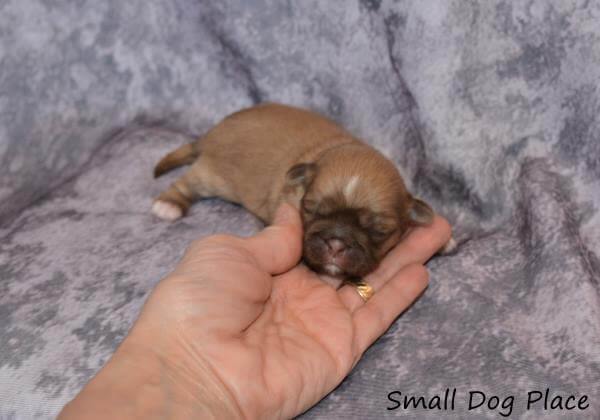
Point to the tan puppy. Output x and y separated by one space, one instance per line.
353 202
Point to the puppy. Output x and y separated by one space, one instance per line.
353 202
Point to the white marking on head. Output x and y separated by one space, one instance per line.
351 187
166 210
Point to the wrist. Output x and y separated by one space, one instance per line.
139 383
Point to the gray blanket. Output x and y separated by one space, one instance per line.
489 109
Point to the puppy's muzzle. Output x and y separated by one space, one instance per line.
335 250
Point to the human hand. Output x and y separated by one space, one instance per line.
239 329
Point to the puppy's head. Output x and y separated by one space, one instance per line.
354 211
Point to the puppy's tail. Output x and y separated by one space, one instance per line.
184 155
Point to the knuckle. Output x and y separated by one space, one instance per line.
212 241
219 239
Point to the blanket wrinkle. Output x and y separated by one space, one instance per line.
232 57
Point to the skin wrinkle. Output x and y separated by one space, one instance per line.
214 372
258 342
210 297
287 349
339 368
282 344
305 329
178 372
218 253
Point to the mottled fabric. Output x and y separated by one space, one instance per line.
489 109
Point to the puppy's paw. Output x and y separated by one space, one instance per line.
166 210
450 247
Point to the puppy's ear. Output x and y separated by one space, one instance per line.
297 180
420 213
301 174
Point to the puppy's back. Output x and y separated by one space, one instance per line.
270 130
252 150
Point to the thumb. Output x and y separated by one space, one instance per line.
278 247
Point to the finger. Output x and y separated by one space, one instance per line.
278 247
373 318
350 297
418 247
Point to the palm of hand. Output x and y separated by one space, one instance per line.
278 355
304 336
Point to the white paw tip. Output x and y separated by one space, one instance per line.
166 210
450 246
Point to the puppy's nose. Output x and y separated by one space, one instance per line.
335 246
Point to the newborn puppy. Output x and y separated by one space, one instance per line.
353 202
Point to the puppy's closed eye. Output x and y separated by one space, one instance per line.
378 226
379 235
